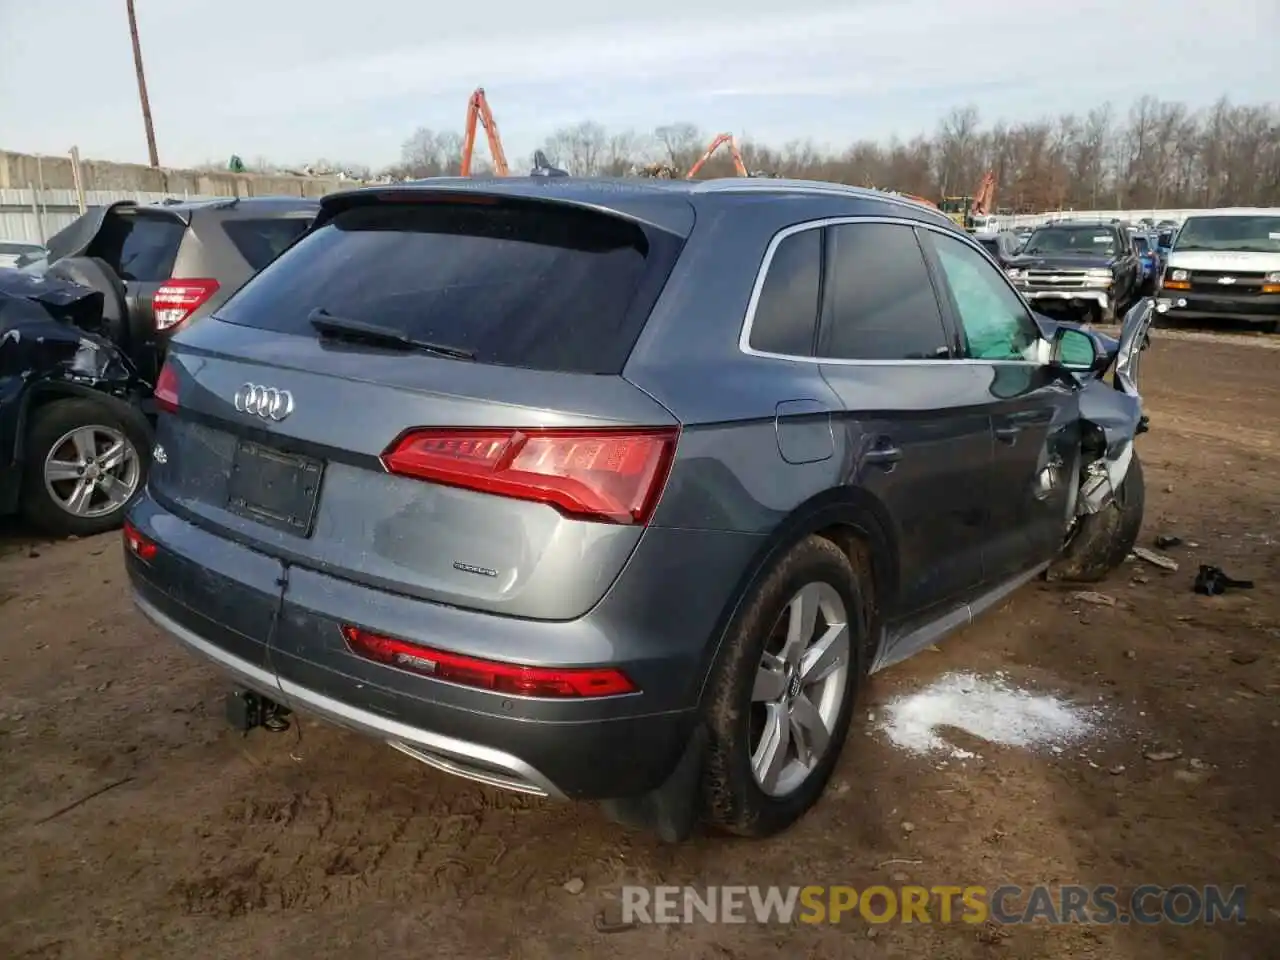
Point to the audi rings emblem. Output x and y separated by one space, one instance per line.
265 402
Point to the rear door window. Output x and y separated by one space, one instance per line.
516 283
786 314
883 306
261 241
138 246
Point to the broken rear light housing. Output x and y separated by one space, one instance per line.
166 389
506 678
176 300
613 475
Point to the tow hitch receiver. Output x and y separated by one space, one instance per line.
247 710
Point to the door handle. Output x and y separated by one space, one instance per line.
883 455
1008 432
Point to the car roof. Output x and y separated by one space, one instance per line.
1237 212
669 204
1082 223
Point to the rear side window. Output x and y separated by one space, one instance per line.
786 314
261 241
883 306
139 247
518 284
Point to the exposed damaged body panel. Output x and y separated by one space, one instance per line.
49 345
1115 409
47 331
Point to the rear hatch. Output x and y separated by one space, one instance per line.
231 244
424 395
140 244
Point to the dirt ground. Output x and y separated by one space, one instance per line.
323 844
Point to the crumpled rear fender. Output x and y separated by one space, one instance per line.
43 351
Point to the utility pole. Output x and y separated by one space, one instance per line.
142 87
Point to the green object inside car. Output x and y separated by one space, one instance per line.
1076 350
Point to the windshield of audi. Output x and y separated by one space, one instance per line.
1071 240
1254 233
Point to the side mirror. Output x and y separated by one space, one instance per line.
1076 350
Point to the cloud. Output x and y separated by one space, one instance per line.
297 79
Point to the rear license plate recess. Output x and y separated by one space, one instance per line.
280 490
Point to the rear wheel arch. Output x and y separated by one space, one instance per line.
849 517
49 426
42 394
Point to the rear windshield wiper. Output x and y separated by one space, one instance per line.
347 328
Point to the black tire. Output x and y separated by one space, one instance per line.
53 421
733 800
1102 540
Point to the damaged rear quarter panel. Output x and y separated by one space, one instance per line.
42 351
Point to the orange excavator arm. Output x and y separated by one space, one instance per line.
721 140
984 196
478 110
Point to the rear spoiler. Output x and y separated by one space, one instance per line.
75 238
660 210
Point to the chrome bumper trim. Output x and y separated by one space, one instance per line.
448 754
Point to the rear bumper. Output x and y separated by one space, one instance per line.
471 760
1250 308
217 599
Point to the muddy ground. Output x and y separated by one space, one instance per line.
328 845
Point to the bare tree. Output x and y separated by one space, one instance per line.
430 154
582 149
682 143
1161 154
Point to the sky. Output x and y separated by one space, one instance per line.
349 80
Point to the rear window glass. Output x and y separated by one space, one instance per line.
261 241
139 247
786 316
518 284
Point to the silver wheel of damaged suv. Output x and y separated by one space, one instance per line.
92 471
799 689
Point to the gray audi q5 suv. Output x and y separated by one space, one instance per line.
617 490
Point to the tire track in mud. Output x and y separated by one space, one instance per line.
336 843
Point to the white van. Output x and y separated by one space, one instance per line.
1225 264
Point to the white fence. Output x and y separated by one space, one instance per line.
34 215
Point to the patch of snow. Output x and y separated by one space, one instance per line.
989 709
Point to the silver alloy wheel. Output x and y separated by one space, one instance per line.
799 688
92 471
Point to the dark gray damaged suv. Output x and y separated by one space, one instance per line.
616 490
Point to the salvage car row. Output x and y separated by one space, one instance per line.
1219 265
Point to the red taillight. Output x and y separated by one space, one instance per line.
136 543
612 476
178 299
508 678
166 391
